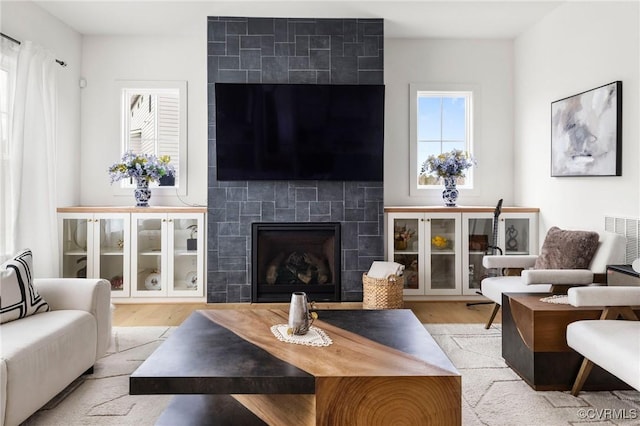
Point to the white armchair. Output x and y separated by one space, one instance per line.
610 250
612 344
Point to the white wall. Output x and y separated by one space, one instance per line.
485 63
106 59
26 21
577 47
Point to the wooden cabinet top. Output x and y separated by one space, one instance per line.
458 209
125 209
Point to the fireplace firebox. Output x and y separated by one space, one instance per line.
289 257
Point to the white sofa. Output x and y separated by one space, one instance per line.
42 354
612 344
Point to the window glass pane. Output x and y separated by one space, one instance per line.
152 120
425 149
441 126
448 146
429 118
453 118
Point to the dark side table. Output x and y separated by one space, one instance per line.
534 343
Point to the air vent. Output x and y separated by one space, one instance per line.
630 228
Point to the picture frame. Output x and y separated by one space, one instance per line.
586 133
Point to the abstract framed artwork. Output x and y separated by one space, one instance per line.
586 133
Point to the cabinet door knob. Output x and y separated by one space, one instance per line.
164 220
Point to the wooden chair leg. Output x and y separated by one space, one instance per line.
585 369
613 312
496 308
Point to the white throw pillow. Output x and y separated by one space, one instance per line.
18 297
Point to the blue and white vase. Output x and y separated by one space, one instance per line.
142 192
450 193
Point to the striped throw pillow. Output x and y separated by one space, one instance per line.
18 297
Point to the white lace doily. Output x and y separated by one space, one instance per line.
314 337
559 299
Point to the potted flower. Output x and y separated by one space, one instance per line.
449 166
143 168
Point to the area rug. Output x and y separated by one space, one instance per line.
492 393
102 398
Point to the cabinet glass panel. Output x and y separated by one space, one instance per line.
112 243
406 244
443 256
74 248
149 273
516 238
480 238
185 255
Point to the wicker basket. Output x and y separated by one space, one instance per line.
382 293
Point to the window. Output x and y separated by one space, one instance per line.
154 121
441 120
154 124
8 64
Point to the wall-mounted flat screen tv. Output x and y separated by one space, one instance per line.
299 132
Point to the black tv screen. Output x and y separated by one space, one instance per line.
299 132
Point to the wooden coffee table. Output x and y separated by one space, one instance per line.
226 367
534 343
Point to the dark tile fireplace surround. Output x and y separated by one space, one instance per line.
288 50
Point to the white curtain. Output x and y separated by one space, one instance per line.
8 64
32 158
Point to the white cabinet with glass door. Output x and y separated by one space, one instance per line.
442 267
96 245
427 244
442 247
405 245
516 234
167 255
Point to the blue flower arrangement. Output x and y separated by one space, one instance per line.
141 167
448 164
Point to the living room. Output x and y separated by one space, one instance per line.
551 51
512 143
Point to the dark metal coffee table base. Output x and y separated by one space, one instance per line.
198 410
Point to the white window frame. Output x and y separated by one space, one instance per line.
471 91
123 89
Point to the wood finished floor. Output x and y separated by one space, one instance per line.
128 315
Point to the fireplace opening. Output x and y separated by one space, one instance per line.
289 257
